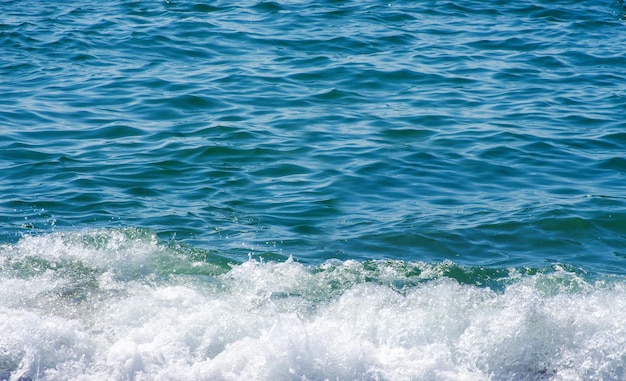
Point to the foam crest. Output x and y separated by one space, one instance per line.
378 320
103 248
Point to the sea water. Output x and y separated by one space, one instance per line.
312 190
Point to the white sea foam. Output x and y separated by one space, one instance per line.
70 310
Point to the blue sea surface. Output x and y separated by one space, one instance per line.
313 189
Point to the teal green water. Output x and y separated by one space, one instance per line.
484 134
488 134
255 175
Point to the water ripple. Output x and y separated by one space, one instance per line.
487 133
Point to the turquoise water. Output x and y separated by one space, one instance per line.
313 190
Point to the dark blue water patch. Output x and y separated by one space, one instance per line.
619 10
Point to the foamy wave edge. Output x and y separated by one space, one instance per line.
120 304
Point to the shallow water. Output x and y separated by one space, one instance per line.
305 189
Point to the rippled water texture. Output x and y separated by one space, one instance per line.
487 133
